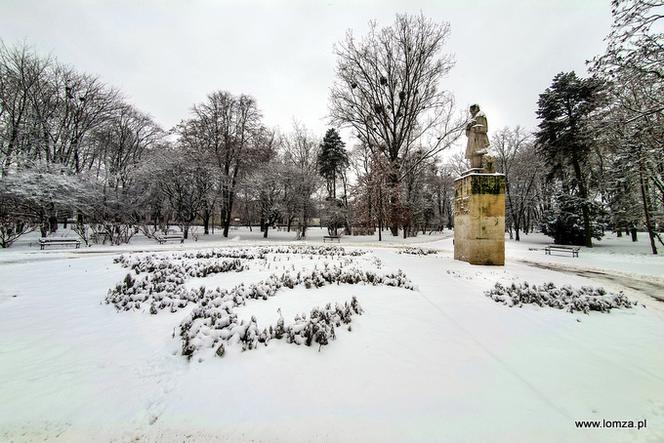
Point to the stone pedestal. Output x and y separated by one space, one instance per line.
479 218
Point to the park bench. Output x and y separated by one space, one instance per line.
558 248
53 241
332 238
163 238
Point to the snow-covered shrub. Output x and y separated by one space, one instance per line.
583 299
207 328
317 328
156 282
417 251
162 284
141 261
213 319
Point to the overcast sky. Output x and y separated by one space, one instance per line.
167 55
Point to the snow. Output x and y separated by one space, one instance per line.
441 363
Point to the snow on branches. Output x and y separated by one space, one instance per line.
583 299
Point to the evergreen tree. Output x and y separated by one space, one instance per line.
332 160
566 110
332 165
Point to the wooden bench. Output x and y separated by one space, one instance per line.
332 238
163 238
574 250
53 241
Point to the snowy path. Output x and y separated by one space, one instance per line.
444 363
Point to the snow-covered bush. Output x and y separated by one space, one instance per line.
317 328
313 250
583 299
417 251
138 261
160 283
157 282
213 319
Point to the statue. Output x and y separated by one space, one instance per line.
478 140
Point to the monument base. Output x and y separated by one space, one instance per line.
479 218
472 171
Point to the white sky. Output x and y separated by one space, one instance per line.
167 55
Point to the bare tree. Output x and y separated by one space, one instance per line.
518 160
122 142
633 66
20 73
300 159
225 126
387 90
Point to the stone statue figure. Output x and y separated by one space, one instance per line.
478 140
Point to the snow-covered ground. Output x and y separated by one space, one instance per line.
441 363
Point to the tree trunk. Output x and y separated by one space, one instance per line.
222 215
511 207
303 222
267 226
206 222
380 211
53 223
393 187
583 193
227 223
646 206
347 228
229 209
517 228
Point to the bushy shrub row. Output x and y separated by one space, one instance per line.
138 262
583 299
317 328
417 251
158 282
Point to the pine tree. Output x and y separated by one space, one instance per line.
565 110
332 159
332 165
